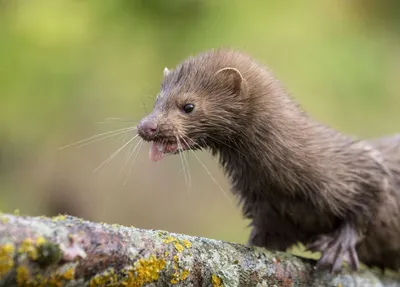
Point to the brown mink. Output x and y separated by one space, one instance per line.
297 180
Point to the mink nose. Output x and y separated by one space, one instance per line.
147 129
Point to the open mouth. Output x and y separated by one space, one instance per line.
159 149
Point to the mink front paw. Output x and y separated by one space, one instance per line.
336 248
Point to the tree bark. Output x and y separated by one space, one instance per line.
68 251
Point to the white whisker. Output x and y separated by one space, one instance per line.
180 150
105 135
114 154
187 163
131 151
209 173
117 121
101 138
133 162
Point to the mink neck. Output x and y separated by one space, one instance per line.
280 144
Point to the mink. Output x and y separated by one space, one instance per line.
295 179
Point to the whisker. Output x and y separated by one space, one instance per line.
212 177
120 119
187 163
114 133
114 154
132 150
144 106
133 162
102 138
117 120
123 137
180 149
221 142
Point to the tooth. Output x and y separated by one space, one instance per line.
161 147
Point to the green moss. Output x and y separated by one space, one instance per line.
48 253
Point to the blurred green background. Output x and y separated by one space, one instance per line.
66 66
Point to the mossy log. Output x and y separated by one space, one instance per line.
68 251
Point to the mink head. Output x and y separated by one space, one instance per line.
201 104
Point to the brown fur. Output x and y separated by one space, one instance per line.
297 180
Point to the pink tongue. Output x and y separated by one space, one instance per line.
154 154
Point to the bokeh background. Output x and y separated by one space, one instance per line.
67 67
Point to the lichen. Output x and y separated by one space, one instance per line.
28 247
169 239
22 275
6 258
187 243
180 245
107 278
147 271
60 217
57 278
4 219
216 281
180 276
143 272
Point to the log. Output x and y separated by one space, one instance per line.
69 251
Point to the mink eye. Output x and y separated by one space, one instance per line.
188 108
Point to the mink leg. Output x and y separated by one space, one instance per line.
262 238
337 247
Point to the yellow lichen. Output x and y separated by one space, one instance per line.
179 247
216 281
6 258
4 219
59 217
145 271
107 278
69 274
185 274
187 243
169 239
54 279
40 241
22 275
28 248
178 277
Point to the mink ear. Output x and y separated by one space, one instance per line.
166 71
231 77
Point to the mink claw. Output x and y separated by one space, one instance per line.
336 248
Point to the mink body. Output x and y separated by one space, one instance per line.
296 179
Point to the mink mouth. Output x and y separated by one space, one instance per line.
159 148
